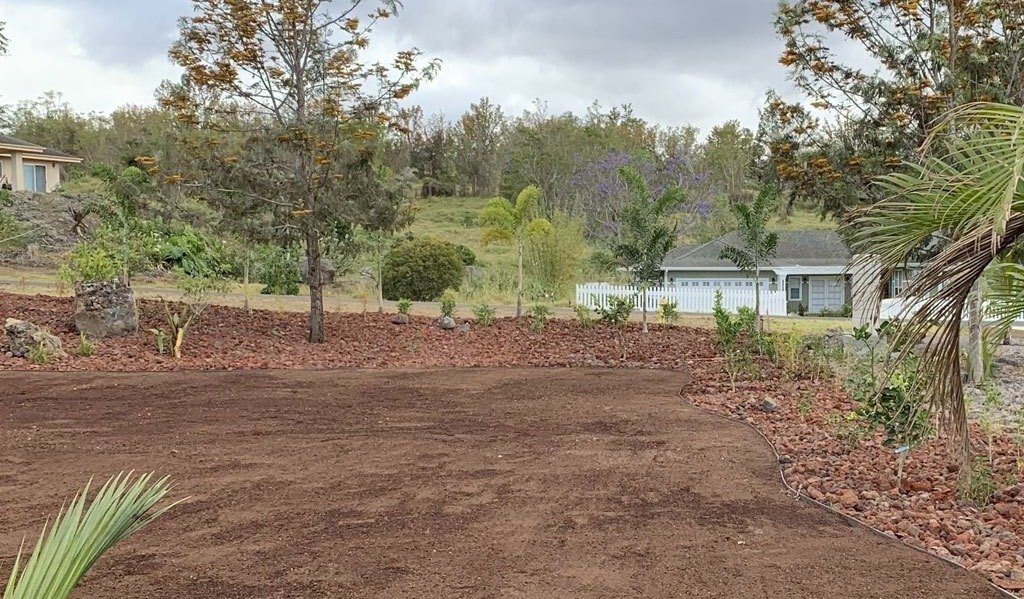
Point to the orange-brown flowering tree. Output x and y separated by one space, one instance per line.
301 105
877 74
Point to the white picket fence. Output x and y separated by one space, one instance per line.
900 307
692 299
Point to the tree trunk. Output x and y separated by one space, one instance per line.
245 282
644 309
380 276
757 299
316 284
975 347
519 283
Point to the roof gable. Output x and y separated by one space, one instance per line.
796 248
7 140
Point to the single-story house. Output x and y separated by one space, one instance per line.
25 166
811 267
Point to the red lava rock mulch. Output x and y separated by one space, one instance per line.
858 480
227 339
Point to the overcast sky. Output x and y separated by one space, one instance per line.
677 62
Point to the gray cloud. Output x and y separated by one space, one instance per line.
683 61
124 32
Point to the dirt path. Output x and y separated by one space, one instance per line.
540 483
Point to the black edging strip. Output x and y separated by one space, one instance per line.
853 521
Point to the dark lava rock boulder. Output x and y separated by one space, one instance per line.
23 336
106 309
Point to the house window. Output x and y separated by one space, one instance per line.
897 282
707 283
796 289
35 177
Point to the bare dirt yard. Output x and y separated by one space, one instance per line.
443 483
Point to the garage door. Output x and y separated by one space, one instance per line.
826 293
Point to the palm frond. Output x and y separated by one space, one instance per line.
80 535
635 183
741 258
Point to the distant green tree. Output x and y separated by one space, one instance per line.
514 222
645 236
759 244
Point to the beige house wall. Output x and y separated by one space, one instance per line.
52 172
12 166
5 168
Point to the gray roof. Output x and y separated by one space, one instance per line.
14 141
796 248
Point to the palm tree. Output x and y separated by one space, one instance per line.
514 222
80 535
759 244
644 235
966 197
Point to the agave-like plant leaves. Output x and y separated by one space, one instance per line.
965 196
79 535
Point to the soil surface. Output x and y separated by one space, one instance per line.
541 483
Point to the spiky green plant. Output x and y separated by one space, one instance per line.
80 535
645 235
759 244
964 203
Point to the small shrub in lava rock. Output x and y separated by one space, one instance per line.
85 347
484 315
448 304
584 318
669 313
404 306
731 334
848 428
979 487
538 315
160 340
615 313
887 391
421 270
37 354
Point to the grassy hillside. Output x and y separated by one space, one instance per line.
457 220
803 220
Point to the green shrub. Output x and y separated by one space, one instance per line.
617 311
616 314
421 270
484 315
670 313
538 315
557 255
6 199
466 254
448 303
584 318
195 253
277 268
404 306
92 261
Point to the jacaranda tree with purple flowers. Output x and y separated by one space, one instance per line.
601 192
